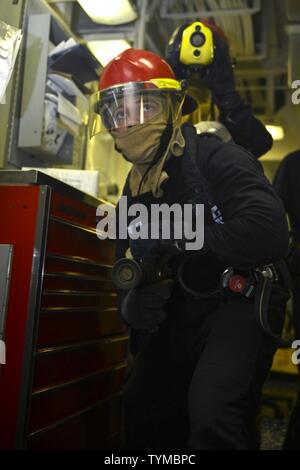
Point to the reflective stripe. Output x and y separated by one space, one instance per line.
166 83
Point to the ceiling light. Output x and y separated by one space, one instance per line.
109 12
277 132
105 50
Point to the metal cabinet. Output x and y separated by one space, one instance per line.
66 346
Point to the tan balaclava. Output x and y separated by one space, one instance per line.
139 145
156 175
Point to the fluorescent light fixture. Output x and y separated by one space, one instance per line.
106 49
109 12
277 132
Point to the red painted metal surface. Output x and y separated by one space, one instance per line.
59 366
18 209
81 350
94 429
75 211
73 241
61 402
59 327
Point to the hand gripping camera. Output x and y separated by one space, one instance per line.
191 46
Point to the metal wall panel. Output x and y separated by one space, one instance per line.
11 12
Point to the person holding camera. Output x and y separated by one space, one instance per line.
202 341
199 52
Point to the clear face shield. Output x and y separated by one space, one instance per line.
121 107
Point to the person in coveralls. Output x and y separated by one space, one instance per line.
203 337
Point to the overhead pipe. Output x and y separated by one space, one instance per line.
164 13
141 24
293 31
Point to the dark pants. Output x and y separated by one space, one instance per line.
292 440
196 382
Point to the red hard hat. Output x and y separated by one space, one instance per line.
137 65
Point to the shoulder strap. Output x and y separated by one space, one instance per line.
198 148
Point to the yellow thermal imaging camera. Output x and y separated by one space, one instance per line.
191 46
197 45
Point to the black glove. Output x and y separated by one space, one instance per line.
151 248
219 76
142 307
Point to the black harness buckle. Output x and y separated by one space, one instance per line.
269 272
